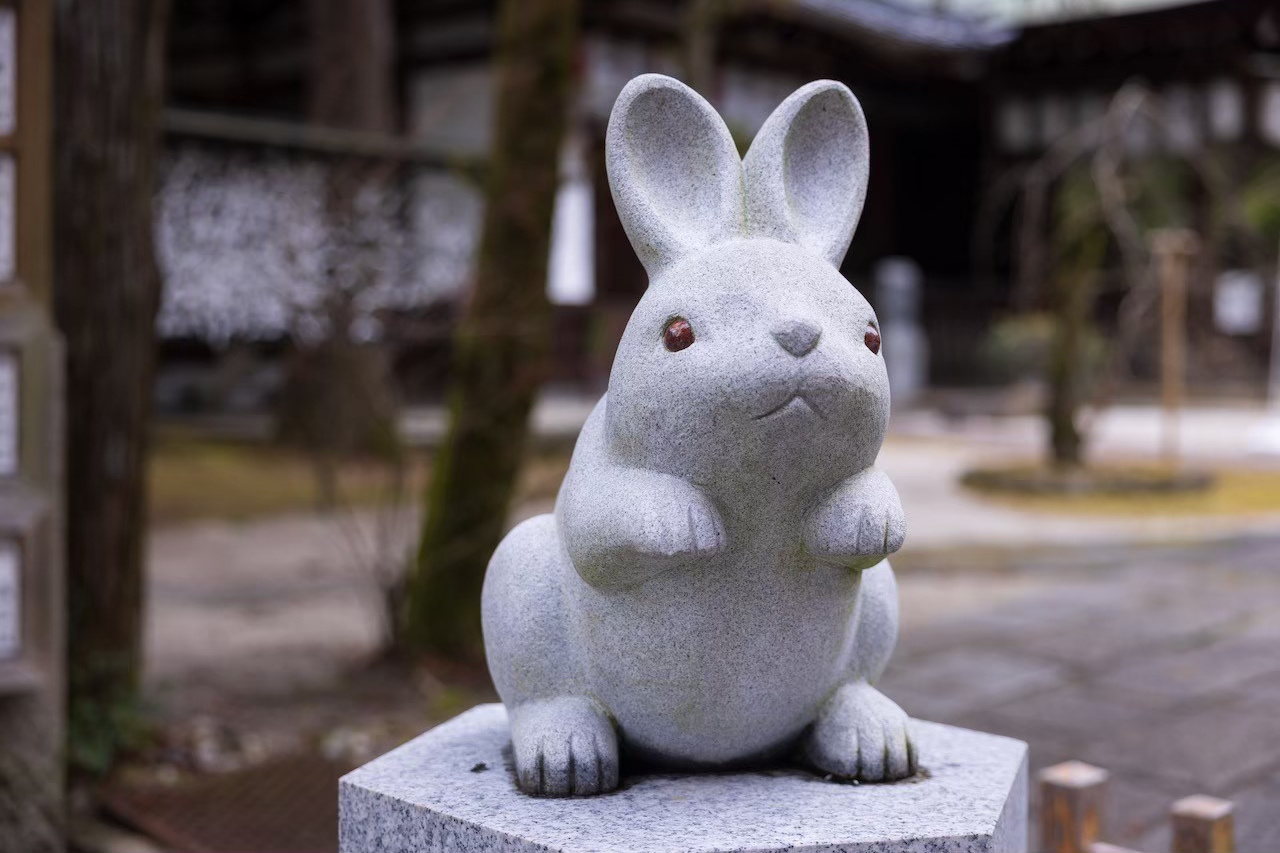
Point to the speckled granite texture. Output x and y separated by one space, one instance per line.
452 790
712 588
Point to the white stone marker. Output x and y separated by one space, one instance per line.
899 283
453 790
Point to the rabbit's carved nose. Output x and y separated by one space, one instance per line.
797 337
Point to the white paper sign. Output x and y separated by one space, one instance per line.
8 71
10 600
1238 302
10 416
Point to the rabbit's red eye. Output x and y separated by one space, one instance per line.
872 338
677 334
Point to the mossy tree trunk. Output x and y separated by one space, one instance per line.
1065 355
1072 298
502 340
109 83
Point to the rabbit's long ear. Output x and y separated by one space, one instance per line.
674 171
807 170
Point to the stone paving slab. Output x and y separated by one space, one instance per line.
1186 674
1101 642
1160 664
1079 712
1215 749
1257 813
943 684
1136 806
1262 694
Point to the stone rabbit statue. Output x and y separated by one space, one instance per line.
711 591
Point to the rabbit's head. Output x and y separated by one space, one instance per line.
749 355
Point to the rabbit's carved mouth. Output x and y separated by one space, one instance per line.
795 403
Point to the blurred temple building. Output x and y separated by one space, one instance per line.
953 102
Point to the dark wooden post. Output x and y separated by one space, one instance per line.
1202 825
1071 801
31 601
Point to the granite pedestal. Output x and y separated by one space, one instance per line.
452 790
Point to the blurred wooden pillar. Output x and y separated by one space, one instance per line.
1202 825
1173 250
31 585
1071 802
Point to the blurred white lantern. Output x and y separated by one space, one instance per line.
1182 119
1269 113
571 275
1015 126
1226 109
899 284
1238 302
1056 119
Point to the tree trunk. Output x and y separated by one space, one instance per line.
352 63
1065 358
1072 300
702 23
503 337
109 84
338 399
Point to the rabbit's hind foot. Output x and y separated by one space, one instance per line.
861 734
564 747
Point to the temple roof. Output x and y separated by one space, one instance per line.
899 22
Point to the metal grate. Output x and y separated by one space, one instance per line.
289 805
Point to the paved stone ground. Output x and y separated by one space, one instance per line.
1161 664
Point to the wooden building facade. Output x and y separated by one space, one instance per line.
951 103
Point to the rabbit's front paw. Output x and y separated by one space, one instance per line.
861 734
564 747
859 523
689 526
645 524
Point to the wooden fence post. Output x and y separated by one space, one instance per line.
1174 250
1202 825
1071 802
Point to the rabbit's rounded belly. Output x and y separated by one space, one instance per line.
703 724
719 667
